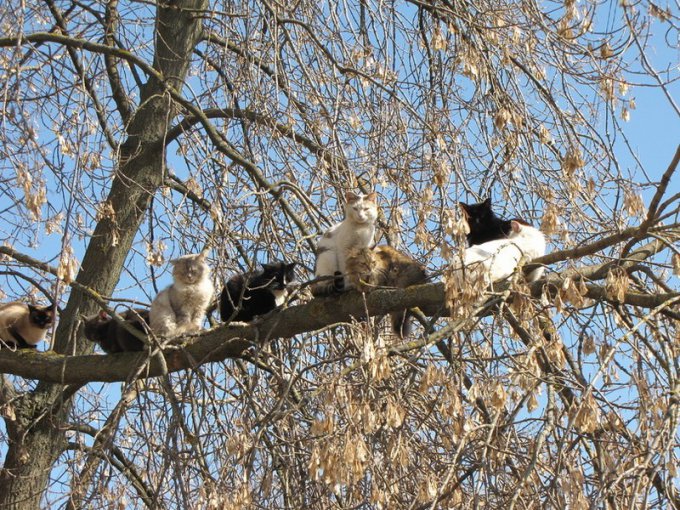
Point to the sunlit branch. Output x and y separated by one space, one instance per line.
233 340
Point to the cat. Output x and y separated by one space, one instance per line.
355 231
483 223
111 336
499 258
24 326
257 293
384 266
181 307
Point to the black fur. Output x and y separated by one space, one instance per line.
41 316
113 337
247 295
19 341
483 222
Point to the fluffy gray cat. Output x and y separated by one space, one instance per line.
181 307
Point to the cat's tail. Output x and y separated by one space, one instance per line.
401 323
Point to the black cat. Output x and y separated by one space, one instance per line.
256 293
483 222
113 337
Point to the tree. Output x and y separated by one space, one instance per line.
133 132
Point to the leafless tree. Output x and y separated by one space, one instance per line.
131 132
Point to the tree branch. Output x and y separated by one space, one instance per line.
121 463
117 90
233 340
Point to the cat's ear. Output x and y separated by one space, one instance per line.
465 209
515 226
351 197
371 197
291 266
201 256
266 267
32 308
487 202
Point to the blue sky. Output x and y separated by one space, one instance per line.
654 126
653 132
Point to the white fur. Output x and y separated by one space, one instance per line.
280 296
181 307
355 231
499 258
16 315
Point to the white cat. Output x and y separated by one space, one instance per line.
181 307
498 259
356 231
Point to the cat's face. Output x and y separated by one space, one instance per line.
95 325
190 269
41 316
280 274
361 208
477 215
363 259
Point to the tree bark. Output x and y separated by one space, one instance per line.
35 437
233 340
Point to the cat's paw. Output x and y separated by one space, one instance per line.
238 324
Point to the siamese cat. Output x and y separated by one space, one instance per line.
181 307
111 336
383 266
355 231
257 293
23 326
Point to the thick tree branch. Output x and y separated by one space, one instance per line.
233 340
74 42
118 93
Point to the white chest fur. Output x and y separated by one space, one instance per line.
280 296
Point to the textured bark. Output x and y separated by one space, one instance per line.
35 439
233 340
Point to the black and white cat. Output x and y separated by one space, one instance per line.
181 307
24 326
248 295
486 236
111 336
483 223
498 259
355 232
